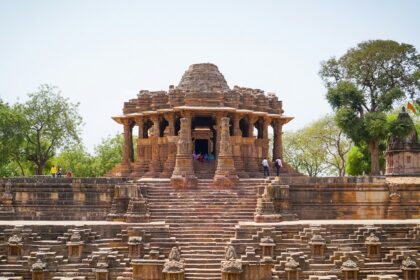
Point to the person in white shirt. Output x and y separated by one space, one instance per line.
266 168
278 164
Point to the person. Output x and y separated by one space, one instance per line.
206 157
200 157
69 174
278 164
53 171
58 171
211 156
266 168
194 156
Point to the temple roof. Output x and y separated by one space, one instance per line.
203 77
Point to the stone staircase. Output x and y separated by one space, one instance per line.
204 170
202 220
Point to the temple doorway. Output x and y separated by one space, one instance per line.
201 146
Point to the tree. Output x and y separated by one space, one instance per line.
108 154
318 149
304 153
363 86
10 139
77 160
49 123
334 142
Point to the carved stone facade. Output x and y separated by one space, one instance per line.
402 156
219 122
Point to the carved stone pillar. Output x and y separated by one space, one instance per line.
139 166
127 148
236 128
252 165
236 140
265 147
225 174
183 175
155 166
278 143
169 164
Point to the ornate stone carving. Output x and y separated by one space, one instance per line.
38 266
15 240
349 264
408 262
225 175
183 175
291 264
174 263
231 264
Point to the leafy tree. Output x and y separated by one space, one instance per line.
10 140
363 86
303 153
318 149
358 161
50 122
77 160
108 154
335 143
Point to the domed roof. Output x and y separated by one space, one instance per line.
203 77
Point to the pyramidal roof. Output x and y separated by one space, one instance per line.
203 77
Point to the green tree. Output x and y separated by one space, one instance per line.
335 143
318 149
363 86
10 141
77 160
108 154
50 122
304 153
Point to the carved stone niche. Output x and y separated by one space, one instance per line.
373 246
231 266
292 269
317 244
409 268
173 268
15 246
102 266
350 270
75 246
267 246
38 270
135 245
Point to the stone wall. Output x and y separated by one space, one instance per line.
350 198
46 198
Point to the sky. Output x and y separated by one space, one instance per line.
102 53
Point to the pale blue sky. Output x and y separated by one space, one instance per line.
101 53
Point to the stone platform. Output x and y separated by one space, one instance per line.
319 231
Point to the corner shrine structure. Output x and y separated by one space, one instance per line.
202 115
167 217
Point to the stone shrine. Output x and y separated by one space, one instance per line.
215 120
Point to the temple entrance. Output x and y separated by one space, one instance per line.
201 146
204 141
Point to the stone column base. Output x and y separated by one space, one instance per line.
174 275
221 181
183 182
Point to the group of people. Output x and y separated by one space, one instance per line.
57 172
266 166
202 157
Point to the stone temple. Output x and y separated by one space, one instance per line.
167 216
202 115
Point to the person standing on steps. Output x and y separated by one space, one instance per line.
278 164
266 167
